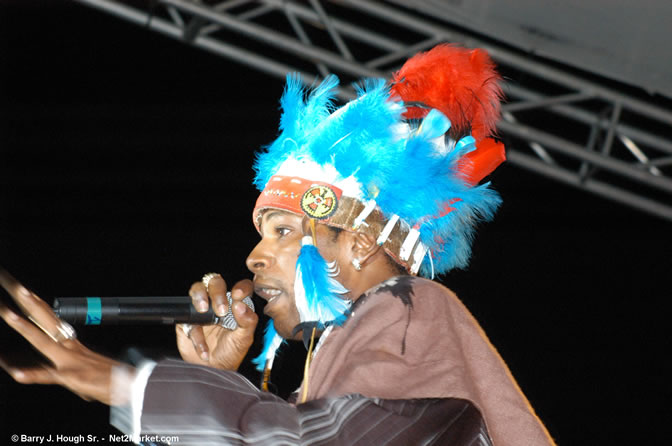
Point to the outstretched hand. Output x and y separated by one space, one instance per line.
214 345
73 366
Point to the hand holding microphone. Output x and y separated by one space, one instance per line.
215 327
214 345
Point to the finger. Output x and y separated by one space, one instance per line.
199 297
246 318
185 346
6 279
26 376
217 291
13 287
33 376
34 307
38 338
187 349
242 289
197 337
12 371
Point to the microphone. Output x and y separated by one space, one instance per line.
140 311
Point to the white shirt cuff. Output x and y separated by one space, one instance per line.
128 394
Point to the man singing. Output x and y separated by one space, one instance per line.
356 202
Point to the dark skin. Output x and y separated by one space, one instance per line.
75 367
272 261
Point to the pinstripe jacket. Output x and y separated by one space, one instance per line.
203 406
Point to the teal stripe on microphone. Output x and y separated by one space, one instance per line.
94 311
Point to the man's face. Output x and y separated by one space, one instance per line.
273 262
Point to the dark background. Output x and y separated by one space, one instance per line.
125 169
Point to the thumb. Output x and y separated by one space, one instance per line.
245 317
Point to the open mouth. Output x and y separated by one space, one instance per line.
269 294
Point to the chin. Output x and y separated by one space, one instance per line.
286 332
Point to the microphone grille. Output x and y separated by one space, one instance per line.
228 321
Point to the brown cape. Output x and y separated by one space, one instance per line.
412 338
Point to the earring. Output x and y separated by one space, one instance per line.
357 264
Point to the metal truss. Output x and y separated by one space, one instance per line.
561 125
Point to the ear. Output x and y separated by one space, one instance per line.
364 246
305 225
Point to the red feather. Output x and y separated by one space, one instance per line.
461 83
479 163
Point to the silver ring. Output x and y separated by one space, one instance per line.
186 328
66 332
207 278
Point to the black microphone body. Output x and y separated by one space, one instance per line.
138 310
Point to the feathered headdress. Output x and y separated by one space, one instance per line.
401 162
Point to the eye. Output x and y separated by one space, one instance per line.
282 230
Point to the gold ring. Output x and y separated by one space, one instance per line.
207 278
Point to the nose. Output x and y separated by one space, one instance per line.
259 258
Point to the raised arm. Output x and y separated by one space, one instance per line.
75 367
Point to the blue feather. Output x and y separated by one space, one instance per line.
434 125
320 103
316 293
272 341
